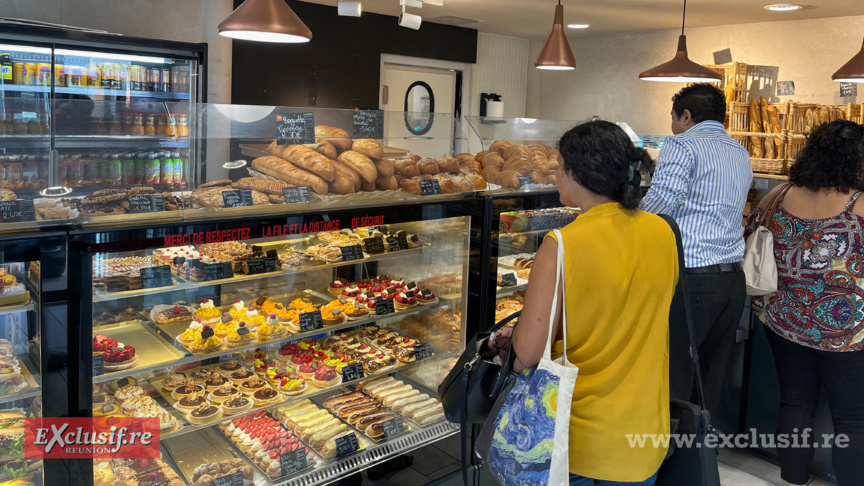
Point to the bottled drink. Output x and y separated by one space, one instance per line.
183 126
91 170
7 69
128 169
138 125
140 163
152 170
149 124
179 174
166 171
115 171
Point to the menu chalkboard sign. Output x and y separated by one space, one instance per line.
293 461
98 365
296 194
369 124
242 330
240 198
403 242
394 243
508 280
374 245
423 351
352 252
261 265
207 333
150 203
234 479
353 371
393 427
384 307
155 277
525 180
347 444
429 187
310 321
295 128
17 211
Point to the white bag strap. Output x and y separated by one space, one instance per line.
559 284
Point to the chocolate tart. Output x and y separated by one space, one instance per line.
236 405
201 375
204 414
223 394
215 382
187 390
241 375
229 367
250 386
190 403
265 396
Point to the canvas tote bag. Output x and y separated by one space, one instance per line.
530 441
760 267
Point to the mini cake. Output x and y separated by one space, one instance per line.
173 315
208 313
173 382
215 382
390 292
253 318
228 367
120 357
248 357
265 396
271 329
293 385
287 351
351 292
241 375
405 300
326 376
332 315
276 374
206 345
191 402
204 414
307 370
238 310
201 375
426 297
337 286
188 389
102 343
262 365
335 361
115 385
135 403
252 385
236 405
381 279
191 333
240 336
223 393
225 325
398 283
301 358
357 310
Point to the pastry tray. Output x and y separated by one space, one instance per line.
320 399
151 349
29 381
99 294
362 440
205 446
509 260
423 389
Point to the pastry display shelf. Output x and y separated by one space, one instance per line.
191 358
16 308
503 292
119 141
34 389
287 400
182 285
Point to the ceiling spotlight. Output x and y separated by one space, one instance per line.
349 8
578 26
265 21
783 7
410 21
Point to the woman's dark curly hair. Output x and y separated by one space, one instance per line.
832 159
601 158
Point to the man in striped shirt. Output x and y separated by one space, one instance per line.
702 179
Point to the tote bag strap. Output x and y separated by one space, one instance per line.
772 206
559 293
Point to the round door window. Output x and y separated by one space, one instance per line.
419 108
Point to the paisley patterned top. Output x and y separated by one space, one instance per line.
820 264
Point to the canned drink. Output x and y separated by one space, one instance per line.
165 80
31 73
152 170
153 79
18 73
59 75
94 75
43 75
107 75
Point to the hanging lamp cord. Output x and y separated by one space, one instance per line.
683 18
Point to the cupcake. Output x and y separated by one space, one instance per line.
337 286
307 370
236 405
173 382
191 333
228 367
287 351
240 336
190 402
223 393
207 312
265 396
241 375
293 385
326 376
271 329
252 385
215 381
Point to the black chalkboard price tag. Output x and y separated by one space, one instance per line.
211 271
384 307
98 365
293 128
293 461
242 331
271 264
240 198
403 242
155 277
226 270
508 280
423 351
374 246
256 266
310 321
141 203
352 252
17 211
347 444
394 243
525 180
234 479
296 194
393 427
429 187
353 371
369 124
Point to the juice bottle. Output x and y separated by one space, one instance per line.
59 75
18 73
115 171
138 125
94 75
45 74
179 174
149 124
7 69
31 73
166 171
129 123
171 128
91 170
152 169
104 164
159 124
116 125
183 126
139 168
128 169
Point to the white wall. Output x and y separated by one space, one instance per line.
500 69
606 81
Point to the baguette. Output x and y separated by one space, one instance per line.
324 148
774 118
343 169
336 136
360 164
342 184
368 147
824 115
810 120
305 158
755 126
768 146
261 185
283 170
384 167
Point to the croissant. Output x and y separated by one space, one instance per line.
464 158
515 150
492 173
305 158
493 158
552 163
540 162
428 166
499 146
406 167
447 164
368 147
479 183
537 176
510 179
519 163
360 164
333 135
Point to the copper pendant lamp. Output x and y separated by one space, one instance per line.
265 21
852 71
681 69
556 53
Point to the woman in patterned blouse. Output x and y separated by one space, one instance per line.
815 320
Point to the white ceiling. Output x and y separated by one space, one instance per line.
533 18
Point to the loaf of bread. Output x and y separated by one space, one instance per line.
367 186
824 115
510 179
447 164
411 185
261 185
774 118
368 147
384 167
338 137
768 146
324 148
386 183
428 166
281 169
406 167
810 120
342 184
343 169
756 127
361 164
305 158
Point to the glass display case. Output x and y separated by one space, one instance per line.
332 330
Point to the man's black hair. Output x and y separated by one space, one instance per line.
705 102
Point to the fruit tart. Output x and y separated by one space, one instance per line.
334 313
203 414
225 325
248 357
191 333
207 312
293 385
287 351
326 376
236 405
398 283
337 286
271 329
336 361
205 345
102 343
120 357
367 298
390 292
351 292
405 300
223 393
238 310
356 310
276 374
381 279
284 314
426 297
240 336
302 358
262 365
307 370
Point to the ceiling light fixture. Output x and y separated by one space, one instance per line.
681 69
852 71
556 53
783 7
265 21
349 9
578 26
410 21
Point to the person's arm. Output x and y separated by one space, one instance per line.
529 337
672 179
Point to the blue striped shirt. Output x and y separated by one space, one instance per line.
702 179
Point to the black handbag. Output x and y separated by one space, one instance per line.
472 387
693 464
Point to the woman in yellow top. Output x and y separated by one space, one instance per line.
621 270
